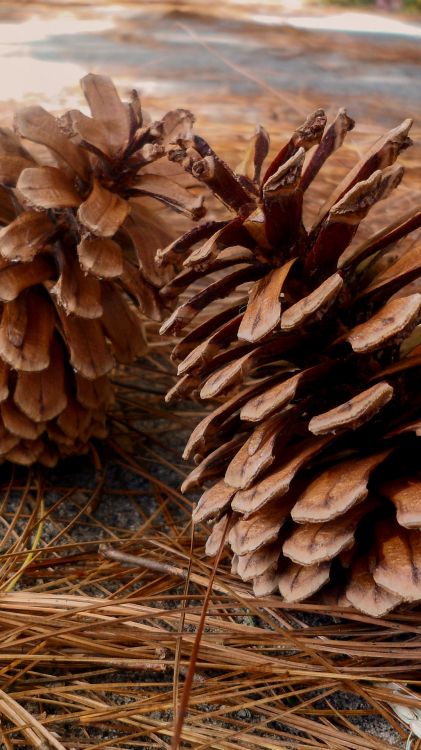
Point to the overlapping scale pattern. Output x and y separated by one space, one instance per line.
81 217
310 342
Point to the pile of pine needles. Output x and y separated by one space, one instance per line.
103 590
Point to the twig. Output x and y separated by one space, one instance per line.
184 704
142 562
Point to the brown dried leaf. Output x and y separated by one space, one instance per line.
103 212
47 187
353 413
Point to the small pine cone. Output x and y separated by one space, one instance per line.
80 228
312 455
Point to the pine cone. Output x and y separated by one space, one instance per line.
77 265
312 455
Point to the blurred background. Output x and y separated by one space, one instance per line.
235 62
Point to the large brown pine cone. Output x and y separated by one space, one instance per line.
311 460
80 207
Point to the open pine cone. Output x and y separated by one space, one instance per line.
311 460
79 211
